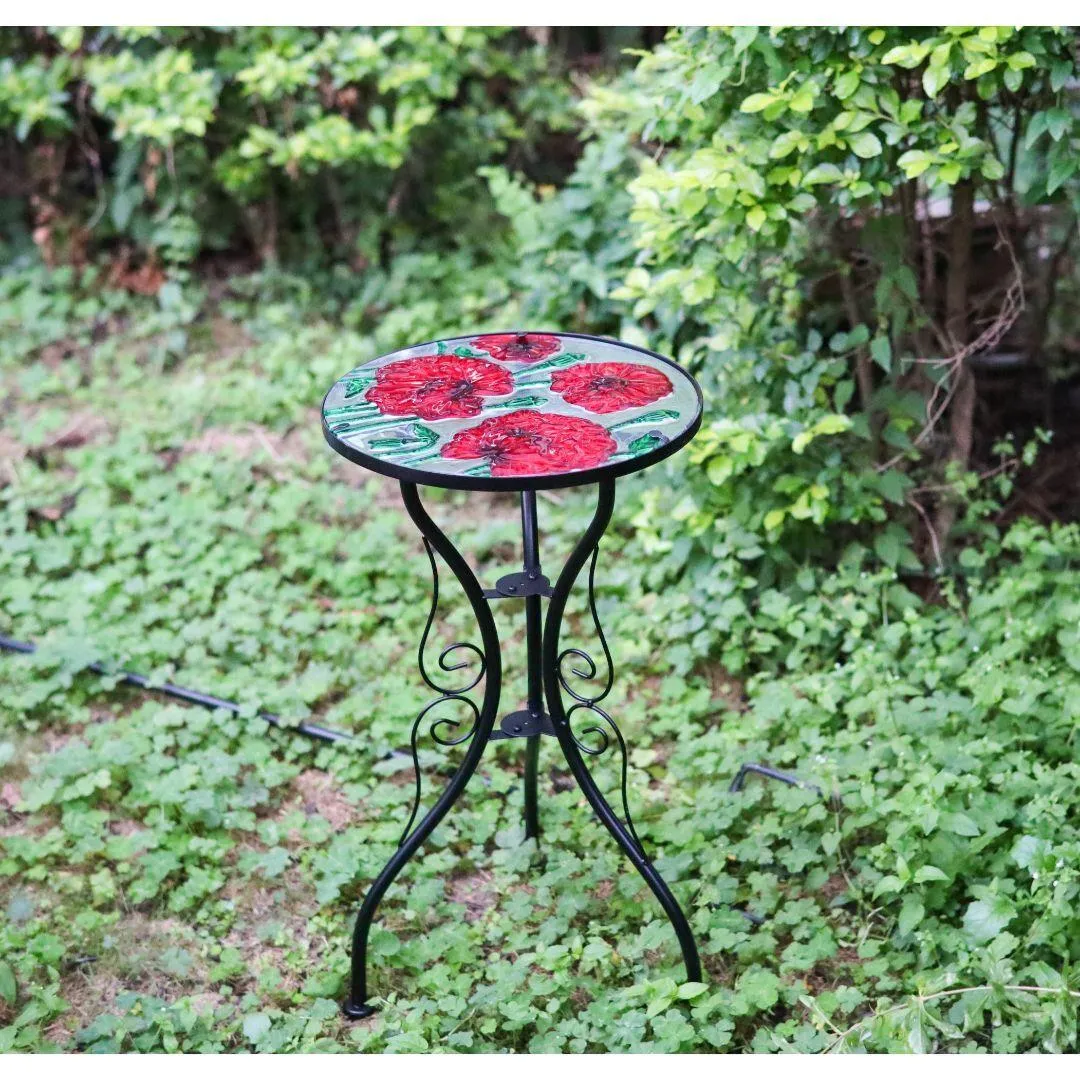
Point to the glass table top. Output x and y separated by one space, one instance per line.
512 411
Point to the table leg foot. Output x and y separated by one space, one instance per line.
357 1012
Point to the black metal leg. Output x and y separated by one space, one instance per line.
533 641
546 680
572 748
532 809
478 734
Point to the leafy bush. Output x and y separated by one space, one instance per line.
806 216
281 139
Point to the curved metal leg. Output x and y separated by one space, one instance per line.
357 1007
572 747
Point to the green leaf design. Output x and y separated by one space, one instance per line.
374 423
651 440
424 457
356 386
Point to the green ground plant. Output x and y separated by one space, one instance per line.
173 879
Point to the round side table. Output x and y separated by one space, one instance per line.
520 411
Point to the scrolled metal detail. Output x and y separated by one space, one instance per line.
597 750
447 694
580 654
448 691
590 703
433 731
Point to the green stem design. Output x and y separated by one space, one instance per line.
657 416
554 362
370 420
425 457
353 427
350 410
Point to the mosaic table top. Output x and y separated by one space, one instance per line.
512 411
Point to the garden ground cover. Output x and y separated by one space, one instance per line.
173 879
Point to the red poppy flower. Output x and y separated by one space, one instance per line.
518 348
607 388
529 443
437 387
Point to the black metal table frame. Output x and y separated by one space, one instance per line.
547 681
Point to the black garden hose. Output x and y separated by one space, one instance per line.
194 697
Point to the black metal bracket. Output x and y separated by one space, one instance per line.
519 584
523 723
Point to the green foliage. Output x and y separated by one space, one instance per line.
763 128
281 139
159 99
570 247
780 215
747 200
33 94
175 879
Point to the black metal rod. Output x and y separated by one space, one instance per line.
530 543
193 697
357 1006
770 774
556 608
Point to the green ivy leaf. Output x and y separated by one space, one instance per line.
846 85
907 56
881 351
985 919
8 989
929 873
934 79
255 1026
865 144
914 163
823 174
911 914
1062 168
756 102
